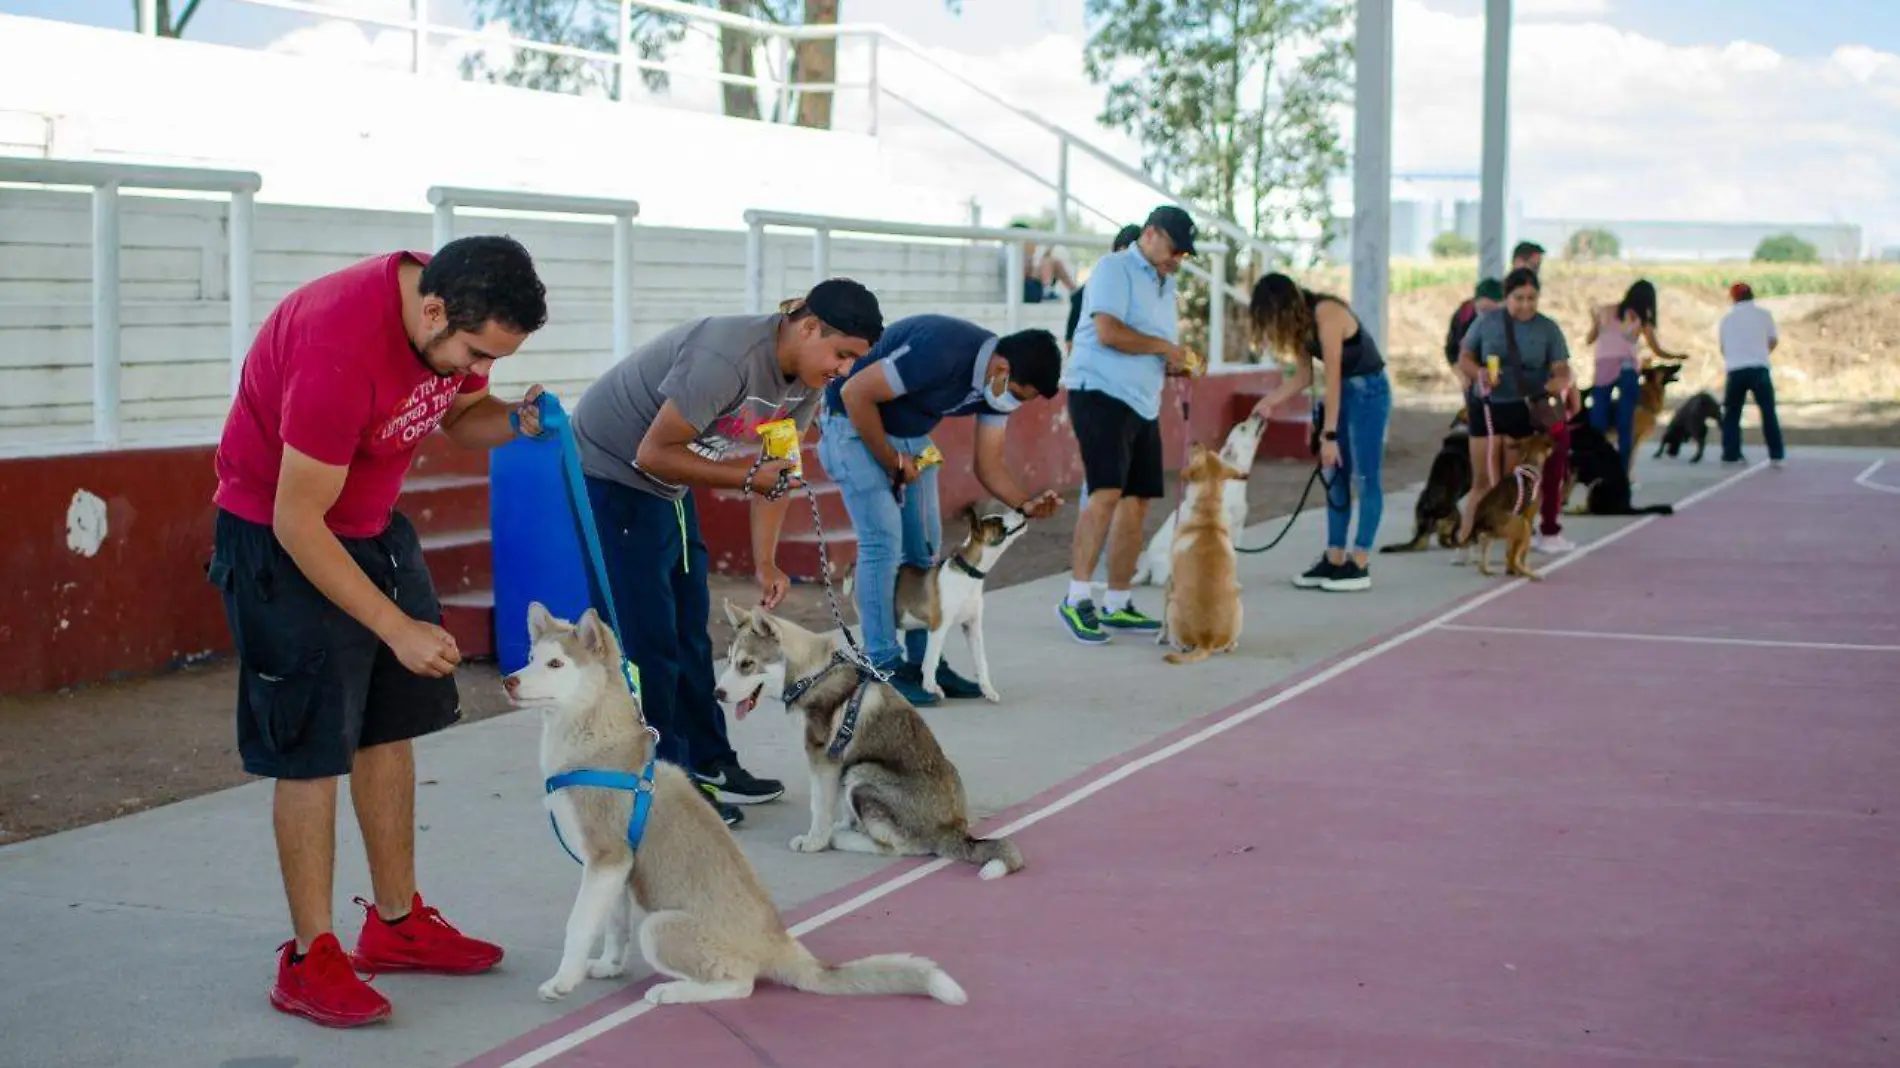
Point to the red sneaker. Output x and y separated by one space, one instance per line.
420 942
323 987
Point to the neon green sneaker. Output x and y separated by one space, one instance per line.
1130 618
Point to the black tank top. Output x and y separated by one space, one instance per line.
1358 354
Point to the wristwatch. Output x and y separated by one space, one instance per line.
1330 435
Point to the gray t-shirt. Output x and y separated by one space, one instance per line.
1540 347
720 372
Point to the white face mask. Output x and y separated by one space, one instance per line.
1002 399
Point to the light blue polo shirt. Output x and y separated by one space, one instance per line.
1125 285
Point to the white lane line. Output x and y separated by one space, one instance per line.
557 1046
1687 639
1866 479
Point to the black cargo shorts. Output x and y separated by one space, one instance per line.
314 685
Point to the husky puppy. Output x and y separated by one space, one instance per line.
949 593
1237 452
868 750
1203 607
709 922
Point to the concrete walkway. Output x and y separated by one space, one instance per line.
147 941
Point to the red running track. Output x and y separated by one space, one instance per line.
1467 847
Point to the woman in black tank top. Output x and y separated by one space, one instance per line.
1304 327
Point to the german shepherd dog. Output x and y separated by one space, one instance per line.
1436 511
709 922
1691 421
1507 512
867 748
1595 464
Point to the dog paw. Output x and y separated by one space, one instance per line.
934 690
990 695
811 843
666 993
606 968
557 988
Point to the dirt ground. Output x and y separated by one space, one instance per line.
92 754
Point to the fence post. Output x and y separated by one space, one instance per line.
419 37
623 286
755 267
1062 186
444 224
243 206
820 254
875 91
623 75
1217 311
1013 288
105 314
148 17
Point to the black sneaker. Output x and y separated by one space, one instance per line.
735 785
1349 577
732 816
1315 577
954 686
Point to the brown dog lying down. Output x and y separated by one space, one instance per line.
1508 511
1203 604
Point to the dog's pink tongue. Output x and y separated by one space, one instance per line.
746 706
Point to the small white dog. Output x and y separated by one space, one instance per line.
1238 452
949 593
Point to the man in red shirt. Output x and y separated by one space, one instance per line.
342 659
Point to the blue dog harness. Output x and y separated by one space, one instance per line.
554 419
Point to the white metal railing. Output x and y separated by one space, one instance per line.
625 58
105 180
1012 238
447 198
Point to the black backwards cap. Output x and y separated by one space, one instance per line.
847 307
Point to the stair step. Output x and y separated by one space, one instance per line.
730 510
470 617
445 502
439 456
458 560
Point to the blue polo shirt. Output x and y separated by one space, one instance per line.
934 364
1125 285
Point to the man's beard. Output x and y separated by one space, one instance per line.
429 346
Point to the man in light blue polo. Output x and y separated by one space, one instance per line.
1125 346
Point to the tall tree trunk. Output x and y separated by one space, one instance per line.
735 57
817 62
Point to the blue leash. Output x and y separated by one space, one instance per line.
554 420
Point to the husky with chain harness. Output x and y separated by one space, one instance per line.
709 923
880 783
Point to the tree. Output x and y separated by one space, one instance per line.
1237 103
1593 243
1786 248
1452 245
168 26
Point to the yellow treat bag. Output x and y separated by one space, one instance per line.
780 437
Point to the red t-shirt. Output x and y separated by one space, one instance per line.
333 375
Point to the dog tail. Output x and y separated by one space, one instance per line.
1415 545
996 856
1192 656
1654 509
885 973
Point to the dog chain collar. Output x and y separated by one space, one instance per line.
968 568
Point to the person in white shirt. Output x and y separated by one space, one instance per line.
1748 336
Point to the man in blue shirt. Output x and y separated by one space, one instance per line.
1125 346
877 420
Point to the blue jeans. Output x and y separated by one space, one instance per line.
1365 407
1742 382
1627 389
888 535
656 564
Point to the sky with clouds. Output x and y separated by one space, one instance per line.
1634 109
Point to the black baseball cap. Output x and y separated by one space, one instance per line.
1177 224
847 307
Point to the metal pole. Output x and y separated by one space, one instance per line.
755 268
243 207
1217 311
105 314
1062 186
1013 288
623 286
419 38
875 90
623 75
1497 135
444 224
1372 165
148 18
820 255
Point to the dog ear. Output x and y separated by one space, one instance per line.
737 616
764 625
540 621
592 632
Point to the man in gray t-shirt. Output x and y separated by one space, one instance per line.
672 416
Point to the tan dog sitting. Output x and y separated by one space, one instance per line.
1203 603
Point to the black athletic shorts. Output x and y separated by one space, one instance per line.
1511 419
1120 450
314 685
